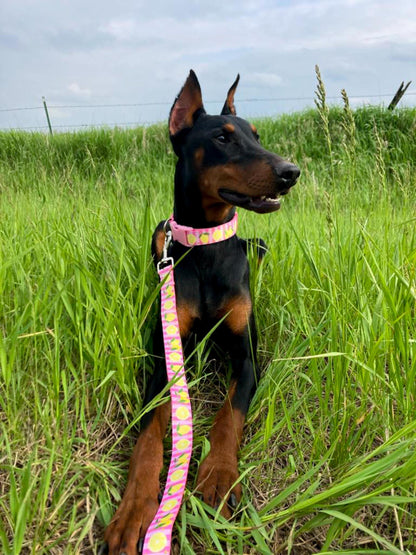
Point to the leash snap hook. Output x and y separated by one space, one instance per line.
166 260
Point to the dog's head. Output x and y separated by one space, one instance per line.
224 156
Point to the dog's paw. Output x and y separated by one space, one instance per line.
126 531
216 482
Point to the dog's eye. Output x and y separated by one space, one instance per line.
257 137
221 139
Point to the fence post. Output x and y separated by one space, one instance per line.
47 115
397 97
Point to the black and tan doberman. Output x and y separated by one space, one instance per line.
221 165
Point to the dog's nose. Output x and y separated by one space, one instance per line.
287 172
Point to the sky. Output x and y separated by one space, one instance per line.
92 58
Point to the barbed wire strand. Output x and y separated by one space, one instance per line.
166 103
147 104
89 125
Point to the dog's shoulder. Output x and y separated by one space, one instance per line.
158 240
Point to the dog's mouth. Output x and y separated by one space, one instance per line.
263 204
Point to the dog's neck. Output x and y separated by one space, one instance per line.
189 209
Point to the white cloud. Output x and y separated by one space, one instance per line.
265 79
78 91
121 29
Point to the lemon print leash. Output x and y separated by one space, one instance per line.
159 534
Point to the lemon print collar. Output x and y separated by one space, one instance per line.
197 237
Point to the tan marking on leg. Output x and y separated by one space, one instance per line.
149 443
140 500
218 472
237 311
227 430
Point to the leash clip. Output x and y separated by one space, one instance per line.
166 260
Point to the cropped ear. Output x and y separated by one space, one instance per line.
187 106
229 108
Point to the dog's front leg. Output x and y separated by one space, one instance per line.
140 500
219 471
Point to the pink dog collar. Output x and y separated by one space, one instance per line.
191 237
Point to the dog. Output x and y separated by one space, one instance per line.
221 165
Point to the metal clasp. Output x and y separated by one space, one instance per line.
166 260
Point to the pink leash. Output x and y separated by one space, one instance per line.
159 534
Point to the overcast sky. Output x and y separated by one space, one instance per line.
84 53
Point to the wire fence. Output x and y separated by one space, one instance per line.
302 101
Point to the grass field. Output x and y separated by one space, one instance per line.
328 462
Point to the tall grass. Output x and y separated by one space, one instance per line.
328 462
